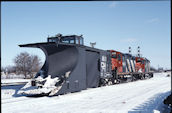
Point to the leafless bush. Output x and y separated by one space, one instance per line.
2 69
8 69
153 69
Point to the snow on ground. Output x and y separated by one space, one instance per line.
9 81
11 76
9 88
10 91
135 97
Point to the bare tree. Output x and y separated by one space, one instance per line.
10 69
27 64
35 64
153 69
2 69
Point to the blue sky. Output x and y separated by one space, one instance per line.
112 25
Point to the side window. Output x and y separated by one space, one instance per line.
72 41
123 59
65 41
81 41
138 60
114 55
52 40
77 41
119 57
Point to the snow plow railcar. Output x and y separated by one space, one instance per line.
70 66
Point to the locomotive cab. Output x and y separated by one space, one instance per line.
71 39
140 64
116 61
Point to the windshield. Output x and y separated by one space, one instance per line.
114 55
67 39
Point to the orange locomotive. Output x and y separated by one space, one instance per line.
126 66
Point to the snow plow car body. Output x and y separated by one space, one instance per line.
70 67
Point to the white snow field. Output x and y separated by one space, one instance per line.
11 81
142 96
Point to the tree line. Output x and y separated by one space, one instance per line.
24 63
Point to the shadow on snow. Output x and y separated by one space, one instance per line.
13 87
154 103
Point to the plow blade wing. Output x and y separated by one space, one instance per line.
61 62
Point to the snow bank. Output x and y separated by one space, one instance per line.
6 81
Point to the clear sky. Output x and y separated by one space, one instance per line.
112 25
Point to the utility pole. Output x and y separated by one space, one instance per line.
129 50
138 51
